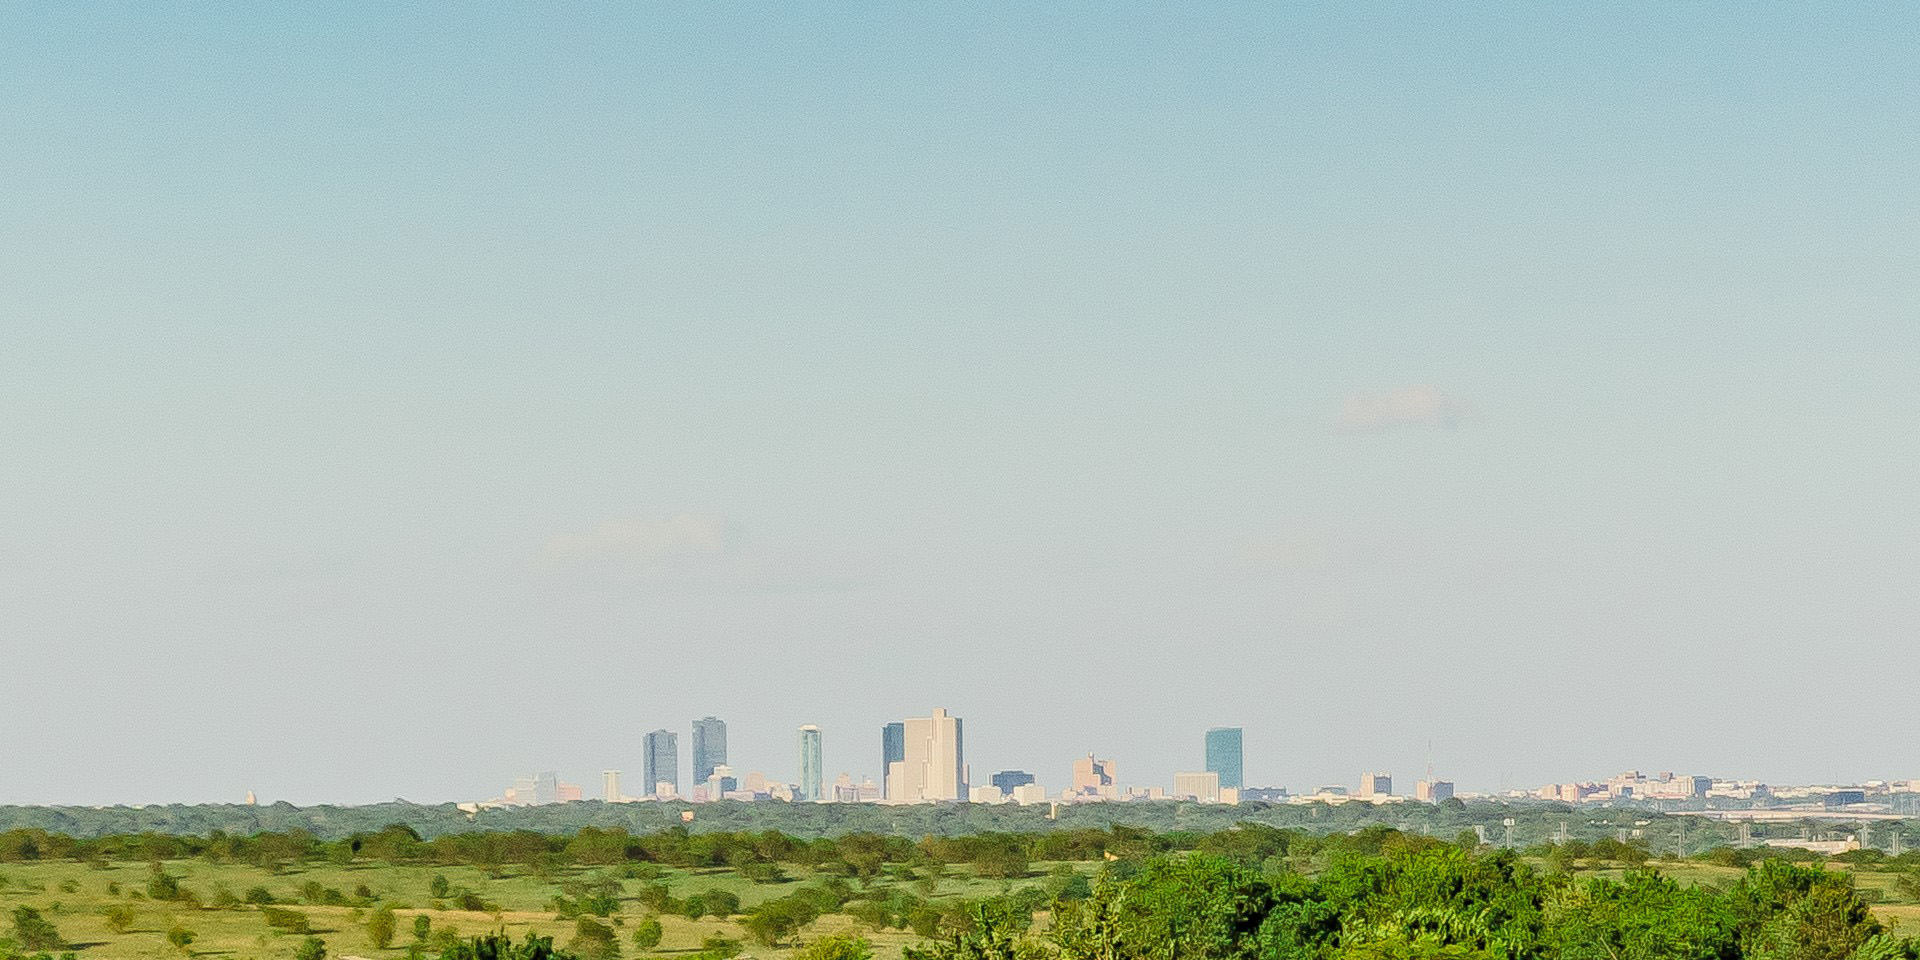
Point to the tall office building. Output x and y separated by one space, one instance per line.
541 788
893 749
812 780
1223 755
933 760
610 786
1375 785
709 747
1095 778
663 764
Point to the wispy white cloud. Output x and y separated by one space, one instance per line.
1422 406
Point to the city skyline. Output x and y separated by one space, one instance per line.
1371 374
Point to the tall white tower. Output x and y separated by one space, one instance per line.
811 775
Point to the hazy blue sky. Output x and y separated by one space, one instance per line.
395 398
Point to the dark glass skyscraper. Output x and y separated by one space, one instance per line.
663 762
1006 780
709 747
893 749
1223 755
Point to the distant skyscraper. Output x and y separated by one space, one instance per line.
893 749
610 786
541 788
663 763
1433 791
709 747
811 776
1006 780
1095 778
1223 755
1375 785
933 765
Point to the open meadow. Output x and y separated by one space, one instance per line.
77 899
759 895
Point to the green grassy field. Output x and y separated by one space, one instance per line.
75 896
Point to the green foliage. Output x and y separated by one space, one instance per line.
774 921
647 933
286 921
438 887
498 946
181 939
1644 917
997 935
1884 946
596 895
1801 913
658 898
161 885
714 902
422 927
381 926
838 946
312 948
718 947
35 932
119 918
1425 900
593 940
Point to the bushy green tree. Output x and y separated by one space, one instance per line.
35 932
1644 917
381 926
593 940
837 946
286 921
161 885
119 918
774 921
647 933
996 936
